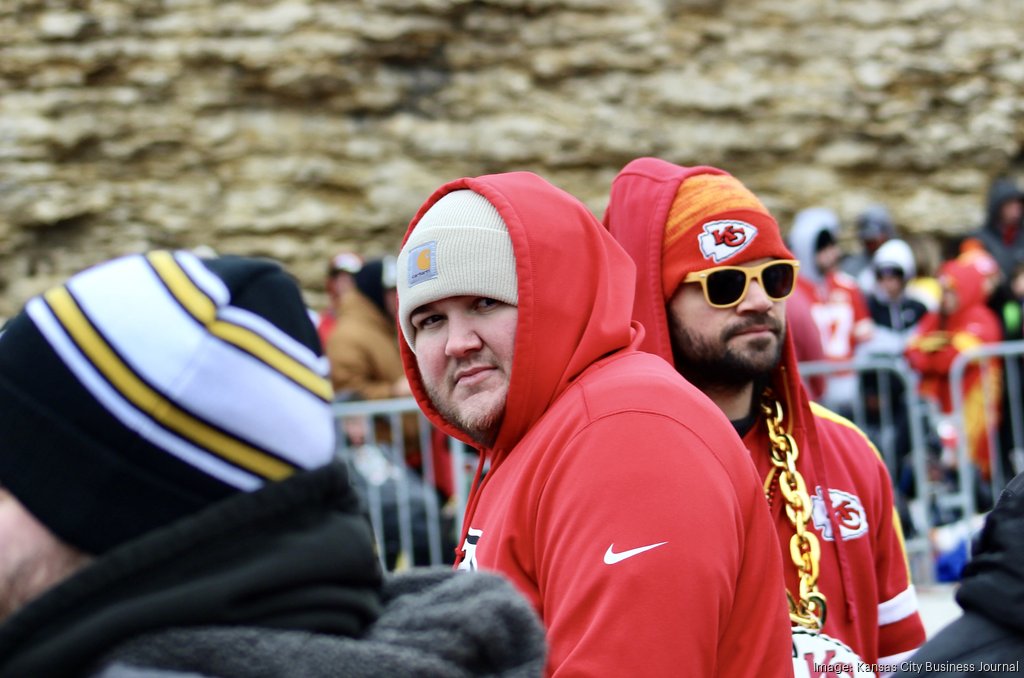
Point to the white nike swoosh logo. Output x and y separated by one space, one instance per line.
611 557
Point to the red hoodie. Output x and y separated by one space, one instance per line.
940 338
864 575
635 526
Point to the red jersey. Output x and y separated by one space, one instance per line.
619 500
840 312
866 581
871 602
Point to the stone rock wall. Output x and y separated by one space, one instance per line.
294 128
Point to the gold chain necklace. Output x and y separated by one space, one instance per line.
809 610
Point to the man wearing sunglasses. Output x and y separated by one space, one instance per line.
713 274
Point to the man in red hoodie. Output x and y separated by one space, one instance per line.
713 274
635 526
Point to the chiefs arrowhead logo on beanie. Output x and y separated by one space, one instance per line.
148 387
716 221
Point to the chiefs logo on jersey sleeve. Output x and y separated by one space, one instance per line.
849 511
725 238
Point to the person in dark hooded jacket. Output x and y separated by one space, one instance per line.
1002 233
895 314
988 639
169 499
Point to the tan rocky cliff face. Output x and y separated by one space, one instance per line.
296 128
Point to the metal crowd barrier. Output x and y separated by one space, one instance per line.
940 500
891 371
1010 409
412 522
415 525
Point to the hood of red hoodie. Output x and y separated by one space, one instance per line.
641 196
969 285
575 293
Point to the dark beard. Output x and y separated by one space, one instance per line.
710 367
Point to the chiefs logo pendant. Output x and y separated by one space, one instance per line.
723 239
817 655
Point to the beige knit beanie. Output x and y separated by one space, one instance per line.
460 247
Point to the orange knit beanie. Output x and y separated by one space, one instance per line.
716 221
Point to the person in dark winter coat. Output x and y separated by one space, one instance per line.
896 315
989 638
874 228
169 498
1002 233
893 311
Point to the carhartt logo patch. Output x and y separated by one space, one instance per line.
423 263
723 239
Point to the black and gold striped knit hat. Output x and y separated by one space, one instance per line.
149 387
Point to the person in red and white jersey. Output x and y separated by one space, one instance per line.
835 300
713 277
